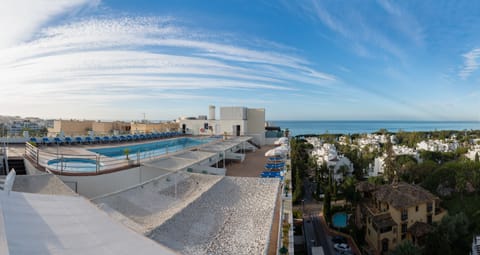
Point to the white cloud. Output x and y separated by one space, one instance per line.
105 62
19 19
470 63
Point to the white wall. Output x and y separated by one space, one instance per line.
97 185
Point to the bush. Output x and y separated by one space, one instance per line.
297 214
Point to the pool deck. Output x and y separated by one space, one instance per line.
111 164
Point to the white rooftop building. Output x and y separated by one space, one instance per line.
234 121
438 145
328 154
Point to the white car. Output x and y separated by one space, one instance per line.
343 247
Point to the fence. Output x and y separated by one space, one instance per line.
77 164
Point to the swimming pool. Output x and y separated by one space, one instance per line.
74 164
339 220
146 150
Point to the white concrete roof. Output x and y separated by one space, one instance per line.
171 163
54 224
181 161
197 155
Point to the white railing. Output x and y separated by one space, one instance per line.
97 164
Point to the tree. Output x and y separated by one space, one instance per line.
406 248
389 162
450 236
476 157
298 191
460 181
348 188
327 205
343 170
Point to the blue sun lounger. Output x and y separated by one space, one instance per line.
106 139
34 140
57 140
68 140
78 139
88 139
129 138
46 141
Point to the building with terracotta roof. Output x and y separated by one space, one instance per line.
394 212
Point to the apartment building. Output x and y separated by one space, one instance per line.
394 212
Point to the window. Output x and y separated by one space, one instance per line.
385 229
429 219
404 214
404 228
416 208
429 207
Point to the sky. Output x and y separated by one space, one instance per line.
300 60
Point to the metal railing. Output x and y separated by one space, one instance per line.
71 164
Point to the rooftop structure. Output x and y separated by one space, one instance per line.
234 121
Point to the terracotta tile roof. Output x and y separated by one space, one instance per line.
404 195
383 220
419 229
365 186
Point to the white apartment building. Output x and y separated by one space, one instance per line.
327 153
234 121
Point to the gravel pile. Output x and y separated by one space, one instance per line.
48 184
233 217
149 205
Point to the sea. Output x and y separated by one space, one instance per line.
360 127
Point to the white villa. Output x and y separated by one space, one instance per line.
438 145
328 153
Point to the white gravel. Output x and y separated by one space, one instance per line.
233 217
211 215
151 204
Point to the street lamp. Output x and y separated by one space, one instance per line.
303 206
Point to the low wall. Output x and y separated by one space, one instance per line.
13 140
97 185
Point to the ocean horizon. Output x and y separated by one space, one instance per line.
300 127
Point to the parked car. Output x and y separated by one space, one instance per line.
343 247
339 239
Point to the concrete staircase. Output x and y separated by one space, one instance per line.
18 165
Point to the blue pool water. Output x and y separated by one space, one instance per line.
74 164
339 220
153 148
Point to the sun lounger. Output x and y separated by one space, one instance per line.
58 140
78 139
68 140
89 139
106 139
46 141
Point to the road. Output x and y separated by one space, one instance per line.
315 233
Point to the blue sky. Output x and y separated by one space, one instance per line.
301 60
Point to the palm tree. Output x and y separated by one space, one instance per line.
343 170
